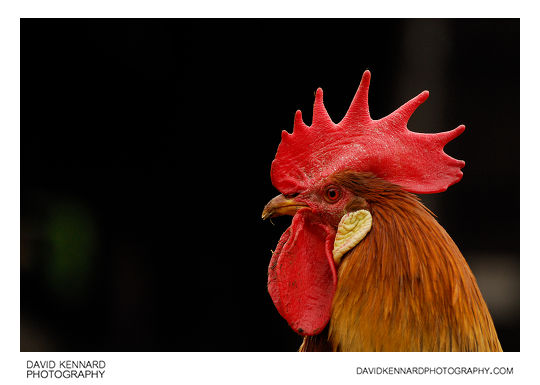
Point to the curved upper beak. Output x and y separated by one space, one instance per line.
281 206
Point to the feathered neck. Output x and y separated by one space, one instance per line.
406 286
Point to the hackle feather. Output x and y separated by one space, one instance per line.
406 285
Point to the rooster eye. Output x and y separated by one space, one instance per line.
332 194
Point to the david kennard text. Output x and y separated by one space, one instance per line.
65 369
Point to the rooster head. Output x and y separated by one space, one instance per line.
328 218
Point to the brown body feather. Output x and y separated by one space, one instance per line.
405 286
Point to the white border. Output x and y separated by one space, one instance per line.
168 368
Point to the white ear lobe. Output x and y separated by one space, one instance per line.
352 228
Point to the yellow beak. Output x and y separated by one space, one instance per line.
281 206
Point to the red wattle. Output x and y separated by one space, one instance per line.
302 275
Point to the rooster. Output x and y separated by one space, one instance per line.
364 265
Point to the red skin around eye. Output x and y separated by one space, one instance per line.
332 194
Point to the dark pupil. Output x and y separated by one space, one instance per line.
332 193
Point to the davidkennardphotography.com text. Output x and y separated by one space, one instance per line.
436 370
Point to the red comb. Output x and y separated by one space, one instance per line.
412 160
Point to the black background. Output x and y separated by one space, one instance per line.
145 158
